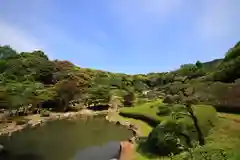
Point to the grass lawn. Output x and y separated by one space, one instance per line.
143 127
225 135
204 113
150 109
235 117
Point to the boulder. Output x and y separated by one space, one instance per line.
45 114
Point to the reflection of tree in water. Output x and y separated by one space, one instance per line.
6 155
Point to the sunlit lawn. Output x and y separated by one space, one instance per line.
225 134
204 113
149 109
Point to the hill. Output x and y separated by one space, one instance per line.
31 78
212 65
29 81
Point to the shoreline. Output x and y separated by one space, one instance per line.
35 120
135 129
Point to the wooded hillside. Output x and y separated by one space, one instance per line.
30 78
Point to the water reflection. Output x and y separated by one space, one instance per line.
60 140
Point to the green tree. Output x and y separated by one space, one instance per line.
69 89
199 64
233 52
191 71
98 95
6 52
168 137
228 71
187 98
129 99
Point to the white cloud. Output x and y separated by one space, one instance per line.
17 38
218 19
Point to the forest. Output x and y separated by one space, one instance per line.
31 78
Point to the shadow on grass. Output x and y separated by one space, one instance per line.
149 120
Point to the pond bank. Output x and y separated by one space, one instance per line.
63 139
35 120
114 117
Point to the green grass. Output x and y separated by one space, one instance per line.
143 127
225 135
150 109
235 117
204 113
227 132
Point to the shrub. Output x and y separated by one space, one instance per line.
164 110
172 99
165 138
168 99
141 101
204 153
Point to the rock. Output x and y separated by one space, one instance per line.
126 123
118 123
13 112
45 114
1 148
133 126
66 114
134 133
132 140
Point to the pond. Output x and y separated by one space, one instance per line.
62 139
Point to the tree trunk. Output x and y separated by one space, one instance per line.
196 125
188 139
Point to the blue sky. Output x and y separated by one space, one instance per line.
130 36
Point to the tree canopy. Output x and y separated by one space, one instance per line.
32 78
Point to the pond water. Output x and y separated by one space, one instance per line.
61 140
